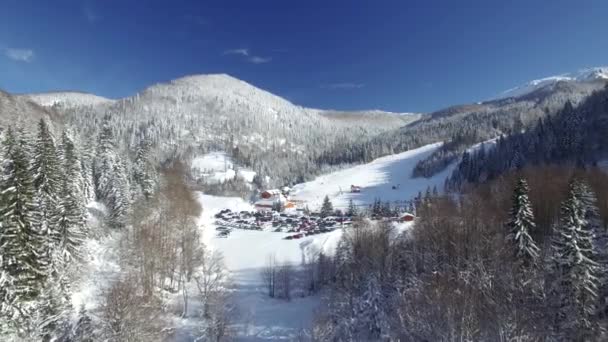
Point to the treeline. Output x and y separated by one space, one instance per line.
520 258
46 184
441 158
164 267
43 194
575 136
478 122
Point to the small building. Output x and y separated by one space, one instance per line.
407 217
355 189
266 194
272 199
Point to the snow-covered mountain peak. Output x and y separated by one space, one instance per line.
591 74
213 87
583 75
67 99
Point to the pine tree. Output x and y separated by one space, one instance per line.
372 318
45 168
22 247
111 178
521 225
71 221
352 209
327 208
576 271
71 224
83 332
86 167
50 320
599 248
142 171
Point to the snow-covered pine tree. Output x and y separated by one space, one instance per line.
111 178
71 223
50 318
86 166
45 168
372 321
143 173
599 248
520 225
327 208
22 247
83 331
72 167
118 198
576 279
352 209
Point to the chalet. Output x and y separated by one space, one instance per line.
355 189
271 199
267 194
407 217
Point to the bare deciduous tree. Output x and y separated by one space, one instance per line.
269 275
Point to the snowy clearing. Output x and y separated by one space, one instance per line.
217 167
245 253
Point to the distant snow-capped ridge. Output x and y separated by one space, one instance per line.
583 75
67 99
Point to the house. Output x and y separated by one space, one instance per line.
407 217
271 199
267 194
355 189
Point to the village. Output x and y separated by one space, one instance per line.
275 211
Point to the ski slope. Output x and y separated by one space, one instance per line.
376 179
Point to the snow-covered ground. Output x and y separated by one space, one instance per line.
217 167
376 179
245 252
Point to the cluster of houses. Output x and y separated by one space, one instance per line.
279 200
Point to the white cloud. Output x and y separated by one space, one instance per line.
343 85
19 55
259 60
242 52
90 15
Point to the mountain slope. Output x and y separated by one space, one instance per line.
66 99
202 113
19 111
589 75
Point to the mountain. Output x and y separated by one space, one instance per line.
202 113
66 99
573 136
20 111
475 122
589 75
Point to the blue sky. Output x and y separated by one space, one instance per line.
343 54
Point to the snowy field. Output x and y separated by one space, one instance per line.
376 179
245 252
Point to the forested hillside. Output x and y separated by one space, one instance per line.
476 123
198 114
521 258
573 136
